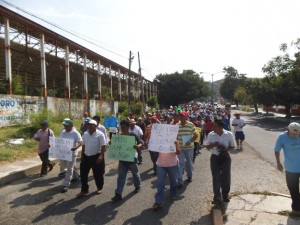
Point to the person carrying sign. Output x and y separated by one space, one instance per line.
153 155
167 164
124 166
68 168
92 157
187 135
42 136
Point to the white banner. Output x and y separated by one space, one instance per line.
60 148
163 137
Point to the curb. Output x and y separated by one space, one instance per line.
217 216
19 174
32 170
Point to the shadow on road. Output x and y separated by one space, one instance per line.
269 124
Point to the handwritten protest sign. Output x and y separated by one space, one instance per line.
163 137
121 148
199 130
60 148
110 122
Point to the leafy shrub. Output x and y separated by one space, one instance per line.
246 108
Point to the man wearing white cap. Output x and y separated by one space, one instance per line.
92 157
68 169
289 141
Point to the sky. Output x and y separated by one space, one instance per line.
172 35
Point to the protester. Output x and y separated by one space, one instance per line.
83 122
220 142
186 131
113 129
67 168
137 130
208 125
42 136
238 123
289 141
153 155
101 128
92 156
167 165
125 166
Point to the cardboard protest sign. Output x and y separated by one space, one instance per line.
110 122
199 130
163 137
60 148
121 148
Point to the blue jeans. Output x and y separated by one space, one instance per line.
162 173
122 173
221 173
185 160
292 180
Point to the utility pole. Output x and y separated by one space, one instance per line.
142 83
129 81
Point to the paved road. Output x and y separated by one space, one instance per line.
261 135
35 200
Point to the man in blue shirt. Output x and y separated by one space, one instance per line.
289 141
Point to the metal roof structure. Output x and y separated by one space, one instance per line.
25 52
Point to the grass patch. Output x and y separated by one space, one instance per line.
11 153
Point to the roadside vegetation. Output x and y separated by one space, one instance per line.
12 152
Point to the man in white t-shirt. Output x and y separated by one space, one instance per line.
92 157
238 123
68 169
133 128
220 142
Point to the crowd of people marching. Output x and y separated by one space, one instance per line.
199 126
214 129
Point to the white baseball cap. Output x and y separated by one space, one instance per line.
294 127
92 122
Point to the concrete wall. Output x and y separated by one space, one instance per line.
16 109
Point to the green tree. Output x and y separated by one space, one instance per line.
177 88
152 102
18 87
241 94
232 81
283 72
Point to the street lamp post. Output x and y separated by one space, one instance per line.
212 84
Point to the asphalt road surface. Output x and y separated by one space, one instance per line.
35 200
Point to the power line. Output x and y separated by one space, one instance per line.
63 29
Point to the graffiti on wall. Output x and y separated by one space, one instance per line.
15 109
18 108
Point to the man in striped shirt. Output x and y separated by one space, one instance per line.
187 134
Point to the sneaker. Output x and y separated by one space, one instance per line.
156 206
189 180
98 192
241 146
116 198
215 204
50 165
179 185
226 199
137 190
64 189
61 174
81 194
43 175
174 197
140 163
